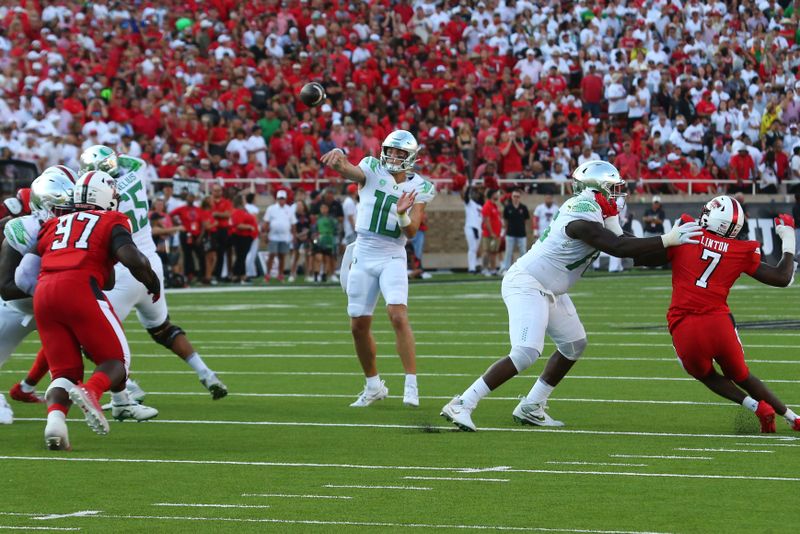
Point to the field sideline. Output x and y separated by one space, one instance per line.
645 449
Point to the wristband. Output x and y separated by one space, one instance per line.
612 224
404 220
788 243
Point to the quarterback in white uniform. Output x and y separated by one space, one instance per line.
535 291
392 205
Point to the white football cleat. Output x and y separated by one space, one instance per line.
135 411
214 385
458 414
411 396
6 413
56 436
135 392
532 413
368 396
86 401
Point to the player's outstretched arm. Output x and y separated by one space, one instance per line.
780 275
125 251
9 259
604 240
336 160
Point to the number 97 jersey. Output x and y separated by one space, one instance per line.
377 207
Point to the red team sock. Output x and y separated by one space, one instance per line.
58 407
38 369
98 384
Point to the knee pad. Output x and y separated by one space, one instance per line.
63 383
573 350
165 334
523 357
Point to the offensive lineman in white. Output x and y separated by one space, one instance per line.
535 291
129 293
391 208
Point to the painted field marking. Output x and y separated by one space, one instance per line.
295 496
598 463
358 523
460 479
84 513
768 444
50 529
660 457
201 505
310 424
722 450
409 488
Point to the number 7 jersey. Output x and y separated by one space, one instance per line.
378 196
703 274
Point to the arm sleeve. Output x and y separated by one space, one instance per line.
426 192
369 166
754 260
120 236
22 233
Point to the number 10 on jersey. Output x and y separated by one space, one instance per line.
380 215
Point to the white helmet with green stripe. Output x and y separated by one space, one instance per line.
401 140
99 158
601 177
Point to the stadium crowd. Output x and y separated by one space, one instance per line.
493 90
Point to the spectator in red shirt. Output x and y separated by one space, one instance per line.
741 167
190 218
592 91
492 231
512 150
221 209
244 228
629 164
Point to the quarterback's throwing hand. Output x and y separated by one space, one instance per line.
334 159
682 234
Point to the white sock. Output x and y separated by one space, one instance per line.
472 396
374 382
750 403
26 388
199 366
121 398
790 416
540 391
56 415
411 380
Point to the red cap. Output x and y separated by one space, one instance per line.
352 188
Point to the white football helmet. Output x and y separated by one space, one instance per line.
723 215
96 190
52 192
601 177
403 140
99 158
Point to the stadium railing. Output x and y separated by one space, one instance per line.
266 185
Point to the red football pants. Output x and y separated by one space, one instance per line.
699 340
72 313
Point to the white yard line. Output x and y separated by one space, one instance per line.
660 457
409 488
722 450
312 424
202 505
460 479
51 529
84 513
598 463
295 496
389 467
356 523
768 444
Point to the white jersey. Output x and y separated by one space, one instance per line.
22 234
133 202
556 260
544 216
376 219
473 215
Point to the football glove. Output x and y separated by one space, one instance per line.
608 207
682 234
784 227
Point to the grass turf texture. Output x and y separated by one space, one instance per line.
645 447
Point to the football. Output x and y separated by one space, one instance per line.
312 94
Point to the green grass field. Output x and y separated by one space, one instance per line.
645 447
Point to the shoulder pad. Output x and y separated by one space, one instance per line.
22 233
130 163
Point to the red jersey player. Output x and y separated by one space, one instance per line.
701 324
78 253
